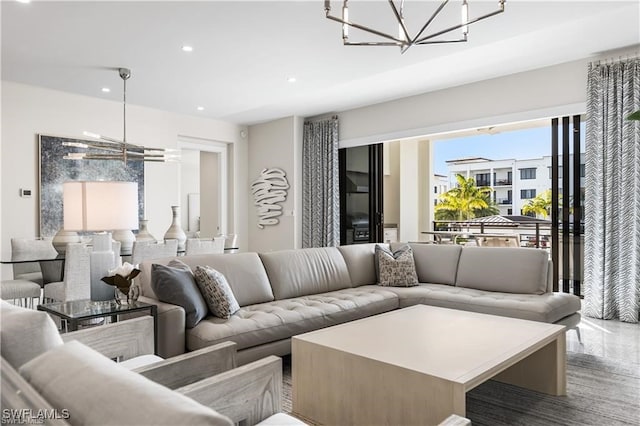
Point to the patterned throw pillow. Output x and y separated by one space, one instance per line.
396 269
216 292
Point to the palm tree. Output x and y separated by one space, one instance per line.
540 205
464 201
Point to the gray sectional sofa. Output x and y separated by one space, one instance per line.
285 293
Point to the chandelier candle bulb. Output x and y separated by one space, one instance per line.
465 17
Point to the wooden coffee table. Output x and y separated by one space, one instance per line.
414 366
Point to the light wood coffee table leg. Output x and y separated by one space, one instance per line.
542 371
334 387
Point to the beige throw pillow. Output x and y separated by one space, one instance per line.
216 292
397 268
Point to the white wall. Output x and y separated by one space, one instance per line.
277 144
391 183
210 198
541 93
189 183
28 111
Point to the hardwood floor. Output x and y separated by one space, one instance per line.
610 339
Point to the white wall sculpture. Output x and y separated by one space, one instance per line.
269 190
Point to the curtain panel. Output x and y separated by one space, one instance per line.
612 201
320 186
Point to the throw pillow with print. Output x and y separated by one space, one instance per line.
397 268
216 292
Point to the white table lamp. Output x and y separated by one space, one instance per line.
102 206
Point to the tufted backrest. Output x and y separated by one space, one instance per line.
502 269
244 273
360 259
294 273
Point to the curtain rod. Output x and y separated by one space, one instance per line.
613 60
321 118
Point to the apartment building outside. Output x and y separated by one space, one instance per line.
514 182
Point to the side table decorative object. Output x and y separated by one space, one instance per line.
62 238
121 278
143 232
175 231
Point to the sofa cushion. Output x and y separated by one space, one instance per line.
294 273
244 273
397 268
175 283
436 263
216 292
281 319
74 377
548 307
25 334
504 269
360 260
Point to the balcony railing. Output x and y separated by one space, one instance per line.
504 201
503 182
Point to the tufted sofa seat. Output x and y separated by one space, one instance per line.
281 319
289 292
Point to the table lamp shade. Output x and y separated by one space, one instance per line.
100 206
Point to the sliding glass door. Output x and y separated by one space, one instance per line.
361 207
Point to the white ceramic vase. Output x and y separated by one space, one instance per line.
143 232
175 231
62 238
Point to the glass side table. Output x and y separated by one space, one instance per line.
73 312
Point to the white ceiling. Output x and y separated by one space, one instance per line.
245 51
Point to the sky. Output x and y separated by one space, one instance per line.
518 144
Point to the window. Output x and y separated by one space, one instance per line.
581 170
527 193
509 211
529 173
483 179
435 189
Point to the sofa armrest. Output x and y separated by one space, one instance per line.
171 327
191 367
120 340
18 395
247 394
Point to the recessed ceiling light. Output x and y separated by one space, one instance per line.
105 89
23 1
291 79
187 48
200 108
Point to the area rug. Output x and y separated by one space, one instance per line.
600 393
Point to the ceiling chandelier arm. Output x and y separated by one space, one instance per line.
400 18
455 27
367 29
430 20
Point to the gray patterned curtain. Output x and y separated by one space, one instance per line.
320 189
612 201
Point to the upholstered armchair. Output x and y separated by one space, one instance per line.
42 369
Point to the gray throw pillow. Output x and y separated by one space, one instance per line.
216 291
397 268
175 284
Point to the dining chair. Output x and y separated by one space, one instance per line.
205 246
143 250
33 249
76 282
20 292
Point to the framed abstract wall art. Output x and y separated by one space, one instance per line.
54 170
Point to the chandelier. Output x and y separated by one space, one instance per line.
403 39
106 148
